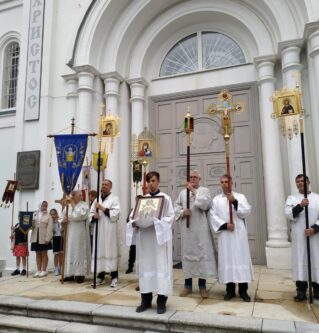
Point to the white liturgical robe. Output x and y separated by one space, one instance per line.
299 239
198 256
78 251
154 251
234 262
107 240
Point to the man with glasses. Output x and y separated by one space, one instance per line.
198 257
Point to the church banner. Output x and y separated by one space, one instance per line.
70 151
25 221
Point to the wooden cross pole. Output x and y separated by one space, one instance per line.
225 109
64 202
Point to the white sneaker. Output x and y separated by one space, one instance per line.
56 271
43 274
114 283
36 274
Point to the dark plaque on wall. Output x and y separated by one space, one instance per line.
28 167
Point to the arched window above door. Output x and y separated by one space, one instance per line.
202 51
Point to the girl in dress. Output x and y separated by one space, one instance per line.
41 237
57 242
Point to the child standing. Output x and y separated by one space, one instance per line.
57 242
20 249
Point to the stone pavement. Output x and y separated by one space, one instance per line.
272 295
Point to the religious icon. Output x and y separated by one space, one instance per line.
145 148
108 129
286 103
148 207
69 154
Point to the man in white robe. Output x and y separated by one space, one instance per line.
78 254
107 243
154 250
198 258
295 212
234 262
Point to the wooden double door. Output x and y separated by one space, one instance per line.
208 156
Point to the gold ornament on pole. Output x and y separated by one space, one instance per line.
226 108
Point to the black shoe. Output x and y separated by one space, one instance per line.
23 272
229 296
301 296
245 297
316 295
79 279
143 307
68 279
129 270
161 308
16 272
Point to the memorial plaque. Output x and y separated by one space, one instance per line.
28 168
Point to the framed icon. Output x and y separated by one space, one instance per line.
148 207
286 103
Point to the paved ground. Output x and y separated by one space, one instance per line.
272 295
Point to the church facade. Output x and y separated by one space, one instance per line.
150 62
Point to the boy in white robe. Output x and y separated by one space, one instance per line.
154 250
198 258
295 212
78 254
234 262
107 241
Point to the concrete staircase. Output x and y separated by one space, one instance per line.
19 314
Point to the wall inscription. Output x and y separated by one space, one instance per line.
28 167
34 60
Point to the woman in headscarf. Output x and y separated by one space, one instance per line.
41 237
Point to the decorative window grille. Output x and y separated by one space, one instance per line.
11 67
200 51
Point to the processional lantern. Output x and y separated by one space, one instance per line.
189 128
226 108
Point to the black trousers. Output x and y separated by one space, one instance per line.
132 256
147 299
114 275
302 286
231 288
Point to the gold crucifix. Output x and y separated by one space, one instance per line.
226 130
64 201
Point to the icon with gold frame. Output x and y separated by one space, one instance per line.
148 207
145 148
109 126
286 103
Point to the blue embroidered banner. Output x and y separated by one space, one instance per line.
70 151
25 221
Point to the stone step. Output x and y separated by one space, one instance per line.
65 316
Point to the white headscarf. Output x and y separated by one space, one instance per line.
40 213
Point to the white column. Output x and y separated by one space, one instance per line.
111 94
291 71
137 100
313 72
71 94
278 252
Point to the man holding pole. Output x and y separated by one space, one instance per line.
234 262
295 211
198 256
107 244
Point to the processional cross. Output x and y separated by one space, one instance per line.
226 108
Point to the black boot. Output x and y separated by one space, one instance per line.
161 304
301 287
79 278
315 288
230 291
146 302
242 291
131 259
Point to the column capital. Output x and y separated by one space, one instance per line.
86 80
313 44
290 58
72 85
86 69
112 75
139 80
265 67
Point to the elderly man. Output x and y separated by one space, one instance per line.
108 214
234 262
78 254
198 257
295 211
154 249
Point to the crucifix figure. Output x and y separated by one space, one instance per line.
225 109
